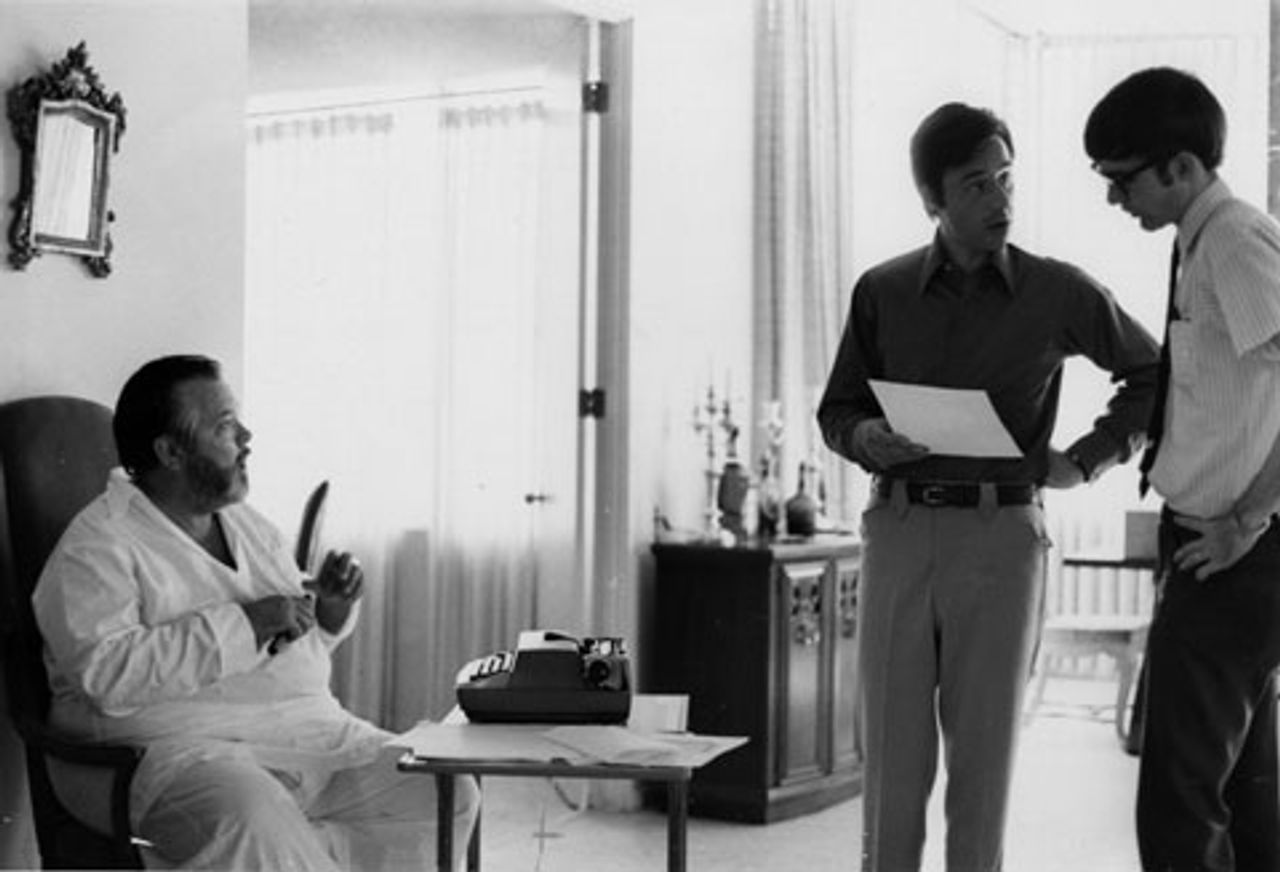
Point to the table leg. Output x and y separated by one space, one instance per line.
473 846
677 824
444 822
1126 666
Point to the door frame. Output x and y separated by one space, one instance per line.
610 604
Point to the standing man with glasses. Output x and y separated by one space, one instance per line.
1207 788
954 546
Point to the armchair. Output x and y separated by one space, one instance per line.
55 454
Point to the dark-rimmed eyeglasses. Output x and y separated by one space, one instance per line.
1122 179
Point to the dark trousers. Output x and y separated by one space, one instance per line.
1208 792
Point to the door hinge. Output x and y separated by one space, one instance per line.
591 403
595 97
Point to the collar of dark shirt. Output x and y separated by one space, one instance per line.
937 259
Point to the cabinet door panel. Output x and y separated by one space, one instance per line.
845 739
805 640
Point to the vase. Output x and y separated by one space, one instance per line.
731 497
802 508
768 502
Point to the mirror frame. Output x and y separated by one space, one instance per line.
70 88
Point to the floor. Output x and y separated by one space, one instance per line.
1072 811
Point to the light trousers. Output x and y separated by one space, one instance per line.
226 812
949 619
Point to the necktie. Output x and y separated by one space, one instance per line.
1155 427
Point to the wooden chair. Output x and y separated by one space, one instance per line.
55 454
1122 637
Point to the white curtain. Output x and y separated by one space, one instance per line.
804 227
481 591
389 275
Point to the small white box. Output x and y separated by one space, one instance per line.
659 712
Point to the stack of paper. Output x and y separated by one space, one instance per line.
573 744
620 745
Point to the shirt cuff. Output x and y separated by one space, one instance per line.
1086 471
1095 453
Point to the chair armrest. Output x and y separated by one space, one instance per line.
114 765
124 758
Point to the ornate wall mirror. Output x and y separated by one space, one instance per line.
66 128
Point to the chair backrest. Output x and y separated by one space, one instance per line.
55 456
304 553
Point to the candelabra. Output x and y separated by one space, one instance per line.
725 490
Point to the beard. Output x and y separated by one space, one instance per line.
214 484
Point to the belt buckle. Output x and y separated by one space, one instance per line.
933 495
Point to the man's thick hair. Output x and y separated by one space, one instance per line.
147 407
1154 114
949 137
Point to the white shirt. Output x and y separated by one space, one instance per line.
146 643
1223 410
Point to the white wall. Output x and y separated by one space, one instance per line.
691 248
177 192
341 46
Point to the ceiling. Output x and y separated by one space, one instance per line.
605 10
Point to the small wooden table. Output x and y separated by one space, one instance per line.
445 770
534 760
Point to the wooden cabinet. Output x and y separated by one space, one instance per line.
762 641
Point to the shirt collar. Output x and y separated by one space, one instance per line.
121 491
936 258
1197 214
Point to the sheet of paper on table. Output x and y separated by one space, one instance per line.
572 743
950 421
612 744
463 741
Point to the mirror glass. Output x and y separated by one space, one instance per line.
69 204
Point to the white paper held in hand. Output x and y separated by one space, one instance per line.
952 421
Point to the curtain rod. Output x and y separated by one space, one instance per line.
373 101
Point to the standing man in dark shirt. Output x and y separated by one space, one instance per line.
1207 794
954 547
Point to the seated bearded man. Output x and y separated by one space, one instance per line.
175 619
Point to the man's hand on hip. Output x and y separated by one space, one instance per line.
1063 471
1223 541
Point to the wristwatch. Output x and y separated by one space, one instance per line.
1075 458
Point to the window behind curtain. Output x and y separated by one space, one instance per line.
391 275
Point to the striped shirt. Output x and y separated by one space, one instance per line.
1222 417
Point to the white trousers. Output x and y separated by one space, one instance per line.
226 812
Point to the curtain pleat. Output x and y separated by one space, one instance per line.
804 229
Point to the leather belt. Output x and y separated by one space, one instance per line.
955 494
